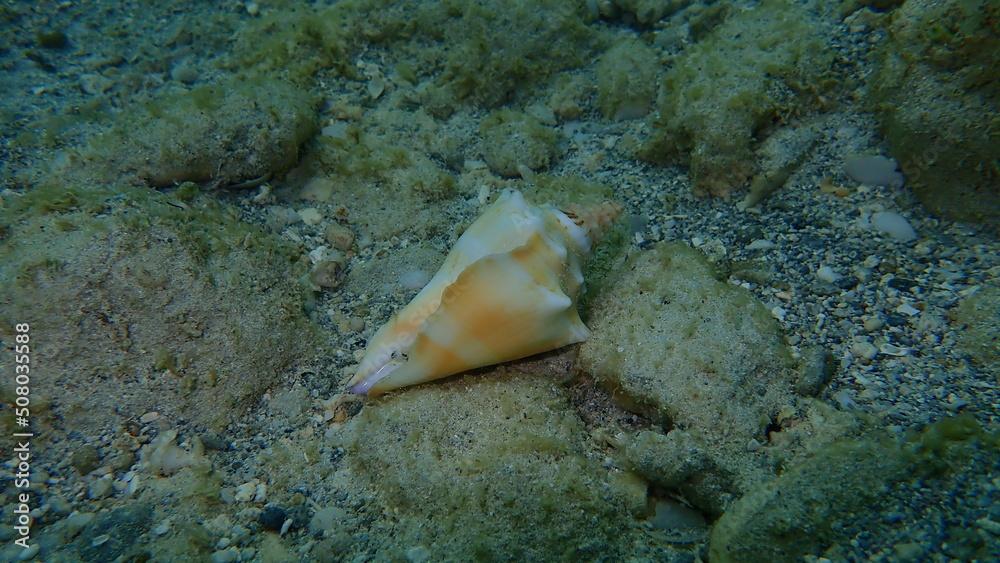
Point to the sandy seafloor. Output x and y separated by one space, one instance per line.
281 474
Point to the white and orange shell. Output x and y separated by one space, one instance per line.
506 290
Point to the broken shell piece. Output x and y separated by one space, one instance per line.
506 290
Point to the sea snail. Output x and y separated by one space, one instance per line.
507 290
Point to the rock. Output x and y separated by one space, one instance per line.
122 526
272 518
626 80
873 171
517 481
674 343
512 139
934 92
339 236
326 519
85 459
230 555
892 224
99 489
815 371
226 133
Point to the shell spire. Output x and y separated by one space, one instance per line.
506 290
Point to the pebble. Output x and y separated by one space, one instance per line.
229 555
864 350
99 489
149 417
245 492
273 517
894 225
761 244
872 324
311 216
827 274
339 236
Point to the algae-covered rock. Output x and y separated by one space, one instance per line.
224 133
978 320
514 140
493 467
671 341
841 491
937 96
759 64
626 80
141 301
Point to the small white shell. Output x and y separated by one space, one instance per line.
506 290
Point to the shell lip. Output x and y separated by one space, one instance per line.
364 386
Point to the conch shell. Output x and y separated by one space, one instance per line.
506 290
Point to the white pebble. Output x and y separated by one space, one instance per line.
761 244
149 417
873 171
907 309
827 274
245 492
894 225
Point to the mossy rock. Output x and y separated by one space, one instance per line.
224 133
512 140
938 100
142 301
695 354
761 63
977 319
843 490
626 80
492 466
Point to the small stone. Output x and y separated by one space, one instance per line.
326 274
827 274
85 459
894 225
149 417
273 518
864 350
99 489
213 442
230 555
162 529
339 236
892 350
252 8
100 540
245 492
77 521
311 216
815 371
908 310
872 324
260 493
